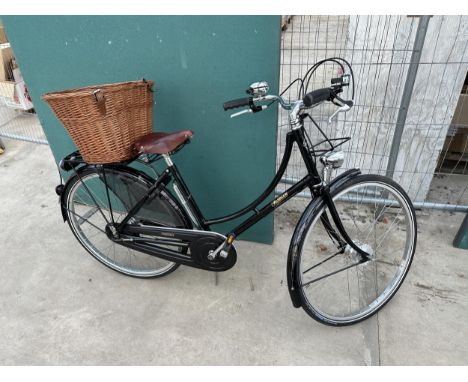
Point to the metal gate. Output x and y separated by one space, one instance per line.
17 117
410 73
22 125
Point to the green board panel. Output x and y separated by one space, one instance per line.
197 63
461 238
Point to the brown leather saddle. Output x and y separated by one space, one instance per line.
162 143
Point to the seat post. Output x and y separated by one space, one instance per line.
183 194
168 160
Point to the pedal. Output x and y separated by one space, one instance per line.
222 251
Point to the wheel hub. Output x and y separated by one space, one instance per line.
111 232
354 255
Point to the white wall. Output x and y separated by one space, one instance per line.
379 49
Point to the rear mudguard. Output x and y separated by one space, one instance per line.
60 190
298 237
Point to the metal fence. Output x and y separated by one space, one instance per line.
410 73
20 124
409 115
17 117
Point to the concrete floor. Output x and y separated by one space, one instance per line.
59 306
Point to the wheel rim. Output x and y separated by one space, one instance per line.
380 221
88 223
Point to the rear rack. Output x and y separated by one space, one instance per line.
75 159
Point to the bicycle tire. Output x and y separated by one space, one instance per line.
333 285
133 186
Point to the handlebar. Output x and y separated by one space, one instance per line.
235 103
317 96
330 93
311 99
250 101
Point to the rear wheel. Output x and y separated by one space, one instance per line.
338 286
88 212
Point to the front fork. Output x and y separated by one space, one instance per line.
344 239
331 160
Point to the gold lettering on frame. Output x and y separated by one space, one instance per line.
279 199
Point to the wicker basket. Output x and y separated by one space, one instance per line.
104 121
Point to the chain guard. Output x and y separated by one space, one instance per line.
198 243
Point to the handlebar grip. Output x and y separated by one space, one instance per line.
235 103
337 80
317 96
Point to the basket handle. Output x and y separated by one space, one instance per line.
100 100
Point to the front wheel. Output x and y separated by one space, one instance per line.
336 285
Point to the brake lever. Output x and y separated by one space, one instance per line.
241 112
342 109
263 107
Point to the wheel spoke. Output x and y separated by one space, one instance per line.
390 229
93 197
347 288
333 273
82 218
87 215
83 196
323 261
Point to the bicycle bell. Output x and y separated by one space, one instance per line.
258 89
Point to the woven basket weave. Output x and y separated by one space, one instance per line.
105 121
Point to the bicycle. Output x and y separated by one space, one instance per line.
350 251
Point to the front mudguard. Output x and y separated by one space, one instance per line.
297 239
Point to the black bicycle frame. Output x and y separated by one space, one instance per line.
312 180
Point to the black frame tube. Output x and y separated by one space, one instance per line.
177 178
283 198
311 180
291 137
162 179
107 193
253 205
